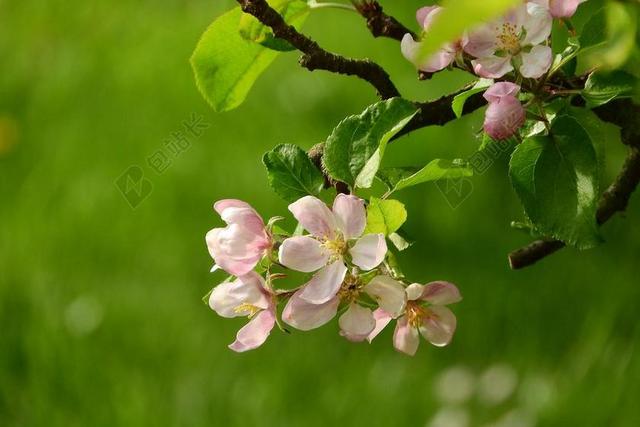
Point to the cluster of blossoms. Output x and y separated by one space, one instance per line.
350 276
514 47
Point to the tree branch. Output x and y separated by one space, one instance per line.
379 23
440 112
616 198
316 58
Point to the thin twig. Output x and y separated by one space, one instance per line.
316 58
379 23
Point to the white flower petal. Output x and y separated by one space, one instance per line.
314 216
306 316
232 299
369 251
356 323
406 337
414 291
439 326
537 24
325 284
350 215
254 333
221 205
481 42
389 294
302 253
536 62
441 293
492 67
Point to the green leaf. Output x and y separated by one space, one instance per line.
497 146
398 178
601 88
291 173
609 37
457 16
556 179
399 241
294 12
355 148
226 65
384 216
594 31
458 101
600 133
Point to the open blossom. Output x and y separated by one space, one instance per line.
561 8
411 48
435 322
334 235
239 246
512 40
505 114
357 322
246 296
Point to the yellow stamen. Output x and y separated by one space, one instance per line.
415 314
508 38
245 307
350 289
335 247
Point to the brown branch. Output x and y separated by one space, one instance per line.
316 58
616 198
379 23
440 112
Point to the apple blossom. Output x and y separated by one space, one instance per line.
424 314
512 40
246 296
239 246
561 8
505 114
357 322
335 235
411 48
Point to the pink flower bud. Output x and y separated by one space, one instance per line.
505 114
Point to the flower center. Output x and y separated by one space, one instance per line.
247 308
335 247
508 38
350 289
415 314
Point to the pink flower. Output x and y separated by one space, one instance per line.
238 247
435 322
246 296
357 322
561 8
516 38
334 235
411 48
505 114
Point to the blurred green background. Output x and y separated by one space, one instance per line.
101 319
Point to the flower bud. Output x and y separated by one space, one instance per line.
505 114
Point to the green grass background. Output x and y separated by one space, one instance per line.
101 322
